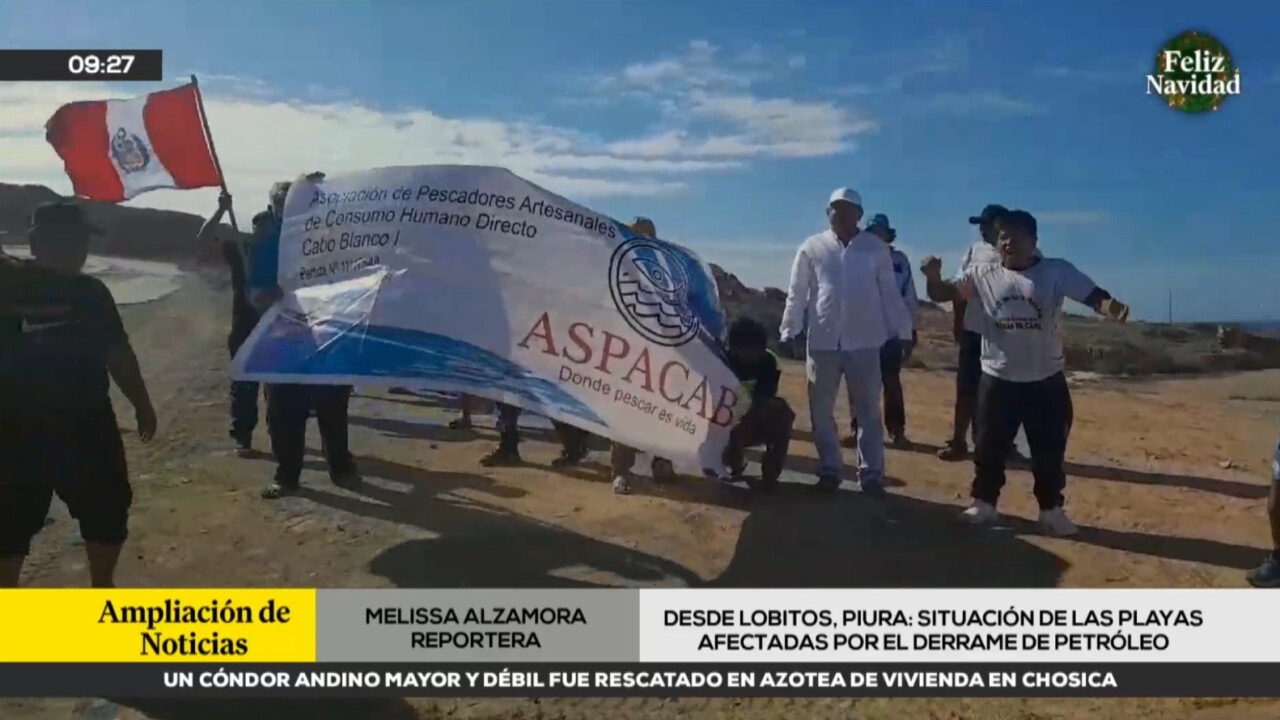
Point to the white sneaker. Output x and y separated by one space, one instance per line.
980 513
1056 523
621 485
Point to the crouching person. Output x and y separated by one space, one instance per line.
768 419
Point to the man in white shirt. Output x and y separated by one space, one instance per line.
1022 384
843 287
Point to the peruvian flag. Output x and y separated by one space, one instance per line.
115 150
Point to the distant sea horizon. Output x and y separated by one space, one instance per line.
1258 327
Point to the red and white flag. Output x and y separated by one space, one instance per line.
115 150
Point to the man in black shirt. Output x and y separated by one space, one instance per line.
768 418
244 317
61 343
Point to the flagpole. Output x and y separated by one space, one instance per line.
213 151
218 165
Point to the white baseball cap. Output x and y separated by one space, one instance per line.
848 195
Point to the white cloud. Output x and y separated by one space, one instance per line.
263 136
984 103
700 87
713 122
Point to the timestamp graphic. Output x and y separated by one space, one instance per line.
82 65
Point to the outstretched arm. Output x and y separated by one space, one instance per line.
1081 288
210 226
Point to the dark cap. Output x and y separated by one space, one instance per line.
61 215
1019 220
988 215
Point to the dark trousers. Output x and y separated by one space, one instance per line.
895 408
968 376
573 439
767 423
289 407
1043 409
75 453
244 395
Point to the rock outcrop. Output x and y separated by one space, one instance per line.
1133 349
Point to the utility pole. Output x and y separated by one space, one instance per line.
1170 307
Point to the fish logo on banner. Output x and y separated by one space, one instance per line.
129 152
654 289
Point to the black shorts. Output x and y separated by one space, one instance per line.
79 455
969 367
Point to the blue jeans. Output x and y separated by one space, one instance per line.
860 370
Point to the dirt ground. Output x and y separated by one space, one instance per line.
1148 487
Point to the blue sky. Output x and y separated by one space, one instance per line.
729 124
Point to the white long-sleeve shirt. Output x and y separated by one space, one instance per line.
847 295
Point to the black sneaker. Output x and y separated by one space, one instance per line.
569 458
954 451
242 444
502 457
874 490
347 480
276 490
1266 575
828 483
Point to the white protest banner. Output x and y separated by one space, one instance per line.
471 279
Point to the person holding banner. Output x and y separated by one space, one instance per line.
573 441
1023 384
767 419
61 344
467 404
244 395
290 406
843 287
622 458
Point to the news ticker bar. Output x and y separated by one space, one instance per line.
381 680
235 626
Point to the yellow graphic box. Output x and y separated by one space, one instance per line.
157 625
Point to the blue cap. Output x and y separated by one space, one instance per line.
879 220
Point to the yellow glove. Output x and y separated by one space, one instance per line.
1115 309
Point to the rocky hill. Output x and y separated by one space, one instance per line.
131 232
1135 349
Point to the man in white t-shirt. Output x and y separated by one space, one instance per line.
843 287
1022 384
